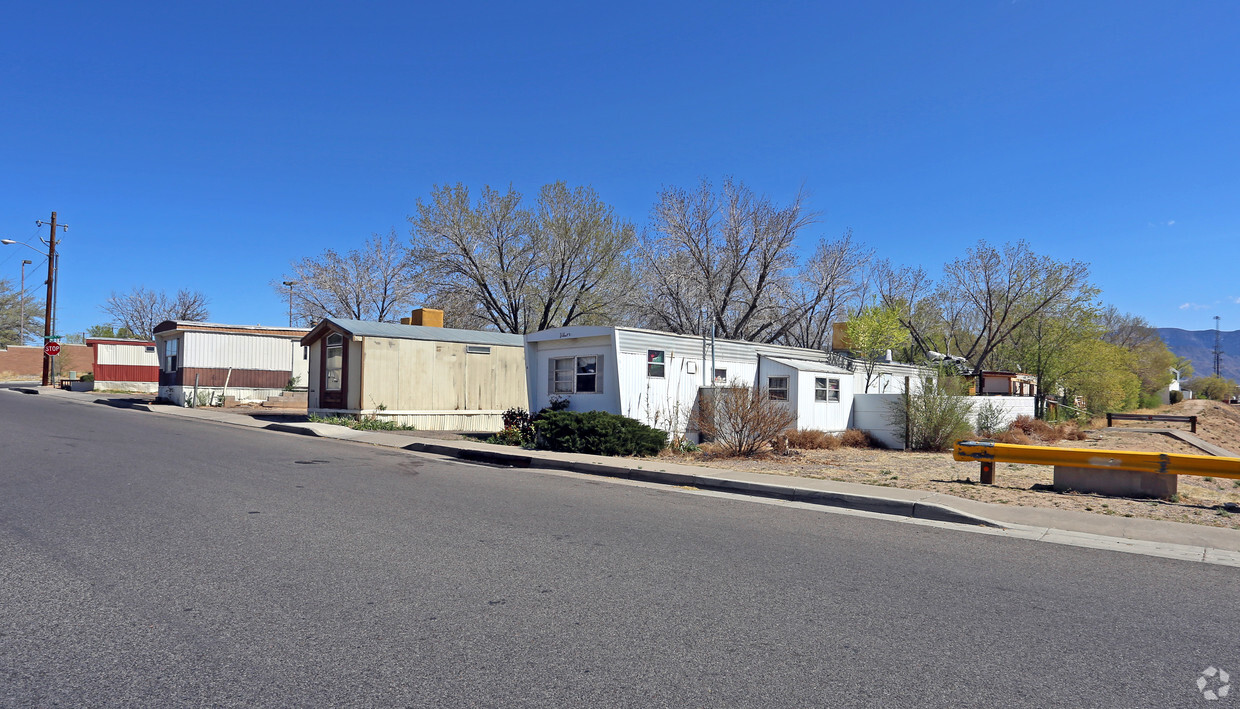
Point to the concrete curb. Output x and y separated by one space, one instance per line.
880 505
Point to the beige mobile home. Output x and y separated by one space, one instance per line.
432 378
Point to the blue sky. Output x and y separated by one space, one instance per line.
206 145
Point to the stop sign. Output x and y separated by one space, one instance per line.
51 349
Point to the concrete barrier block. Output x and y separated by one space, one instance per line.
1121 483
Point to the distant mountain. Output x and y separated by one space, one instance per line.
1198 345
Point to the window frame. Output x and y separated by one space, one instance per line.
568 379
327 358
656 358
771 389
828 392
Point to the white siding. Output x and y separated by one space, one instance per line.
133 355
872 412
538 357
217 350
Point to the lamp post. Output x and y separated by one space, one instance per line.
49 314
22 325
290 285
292 355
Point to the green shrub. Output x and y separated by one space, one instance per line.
86 378
1151 401
1177 397
989 418
935 417
598 433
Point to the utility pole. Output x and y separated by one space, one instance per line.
290 285
25 263
48 322
1218 350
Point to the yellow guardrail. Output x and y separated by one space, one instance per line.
988 453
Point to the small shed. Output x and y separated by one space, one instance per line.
247 362
1009 384
125 365
429 377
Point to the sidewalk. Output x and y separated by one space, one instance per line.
1166 539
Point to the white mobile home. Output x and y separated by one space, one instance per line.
656 377
247 362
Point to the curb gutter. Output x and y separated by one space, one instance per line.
867 503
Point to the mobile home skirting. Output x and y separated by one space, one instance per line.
479 421
126 373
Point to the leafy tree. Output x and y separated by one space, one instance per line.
1103 374
10 315
107 331
1184 366
871 333
494 262
1214 388
1152 363
1044 346
374 282
140 310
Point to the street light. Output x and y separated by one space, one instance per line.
49 312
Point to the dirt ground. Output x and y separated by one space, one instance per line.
1209 501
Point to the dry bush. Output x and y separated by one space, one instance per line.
1037 430
810 440
743 419
856 438
1014 435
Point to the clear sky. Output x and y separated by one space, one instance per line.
205 145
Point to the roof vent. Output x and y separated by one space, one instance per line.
429 317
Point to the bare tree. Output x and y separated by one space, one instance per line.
1126 330
830 286
375 282
726 258
986 296
518 270
140 310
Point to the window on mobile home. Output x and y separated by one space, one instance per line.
826 389
778 388
575 375
654 363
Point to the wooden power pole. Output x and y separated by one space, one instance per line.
49 312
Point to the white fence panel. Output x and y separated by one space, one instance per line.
872 413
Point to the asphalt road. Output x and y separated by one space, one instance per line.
157 561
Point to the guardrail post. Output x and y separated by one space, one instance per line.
1108 419
988 472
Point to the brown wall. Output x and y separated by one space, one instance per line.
243 378
27 362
